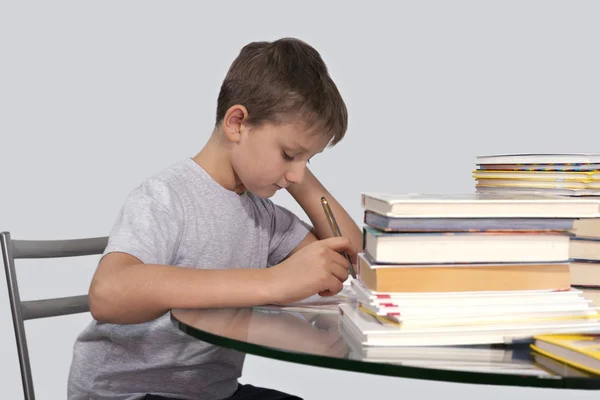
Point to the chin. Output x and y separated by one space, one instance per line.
264 193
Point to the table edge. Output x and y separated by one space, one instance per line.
387 369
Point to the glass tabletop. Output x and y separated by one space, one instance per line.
318 339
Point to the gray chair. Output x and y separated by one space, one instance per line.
26 310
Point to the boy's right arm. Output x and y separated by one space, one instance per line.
126 291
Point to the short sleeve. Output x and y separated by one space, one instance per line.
287 232
149 225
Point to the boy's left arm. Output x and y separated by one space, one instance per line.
308 194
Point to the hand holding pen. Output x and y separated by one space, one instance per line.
319 267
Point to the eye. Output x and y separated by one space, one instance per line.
286 156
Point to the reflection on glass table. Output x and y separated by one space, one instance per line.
318 339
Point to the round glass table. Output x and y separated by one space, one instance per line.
317 339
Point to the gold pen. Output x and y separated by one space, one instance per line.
335 229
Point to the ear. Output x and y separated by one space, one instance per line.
234 118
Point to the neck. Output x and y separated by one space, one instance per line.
214 158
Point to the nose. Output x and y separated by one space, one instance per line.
296 173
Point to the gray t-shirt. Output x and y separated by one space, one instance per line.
180 217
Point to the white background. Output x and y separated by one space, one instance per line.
97 96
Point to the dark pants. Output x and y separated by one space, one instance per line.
244 392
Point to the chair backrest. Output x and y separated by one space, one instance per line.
25 310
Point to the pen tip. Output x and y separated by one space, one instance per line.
323 200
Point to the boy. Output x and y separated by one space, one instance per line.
203 232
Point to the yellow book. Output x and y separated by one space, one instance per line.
578 176
537 184
578 350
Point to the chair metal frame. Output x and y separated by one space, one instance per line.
33 309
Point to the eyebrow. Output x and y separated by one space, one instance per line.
299 146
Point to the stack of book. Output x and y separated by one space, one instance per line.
566 175
466 269
547 174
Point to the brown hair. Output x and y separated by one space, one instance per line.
284 79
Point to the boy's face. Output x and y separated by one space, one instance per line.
272 157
